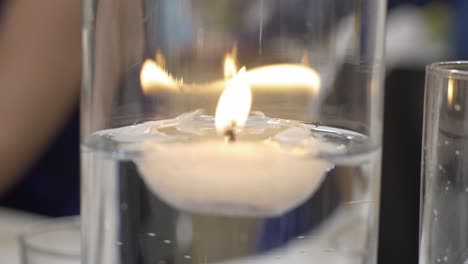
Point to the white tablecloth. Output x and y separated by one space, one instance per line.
11 224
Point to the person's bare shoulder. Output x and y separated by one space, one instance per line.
40 51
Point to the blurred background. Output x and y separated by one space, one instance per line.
39 93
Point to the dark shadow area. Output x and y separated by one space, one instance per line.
399 217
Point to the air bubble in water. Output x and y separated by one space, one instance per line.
457 107
167 241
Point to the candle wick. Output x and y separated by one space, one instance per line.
230 136
230 133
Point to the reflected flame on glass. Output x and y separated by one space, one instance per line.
285 75
305 58
160 59
234 103
450 92
153 76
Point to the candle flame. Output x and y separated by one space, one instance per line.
230 67
234 103
285 75
153 76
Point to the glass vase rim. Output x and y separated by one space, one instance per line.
452 69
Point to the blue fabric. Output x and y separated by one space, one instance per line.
393 3
52 186
461 29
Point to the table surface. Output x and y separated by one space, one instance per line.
12 223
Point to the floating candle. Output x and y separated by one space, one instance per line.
272 168
251 178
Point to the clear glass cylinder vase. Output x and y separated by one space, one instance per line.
444 185
231 131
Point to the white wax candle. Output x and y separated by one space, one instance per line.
242 178
271 168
